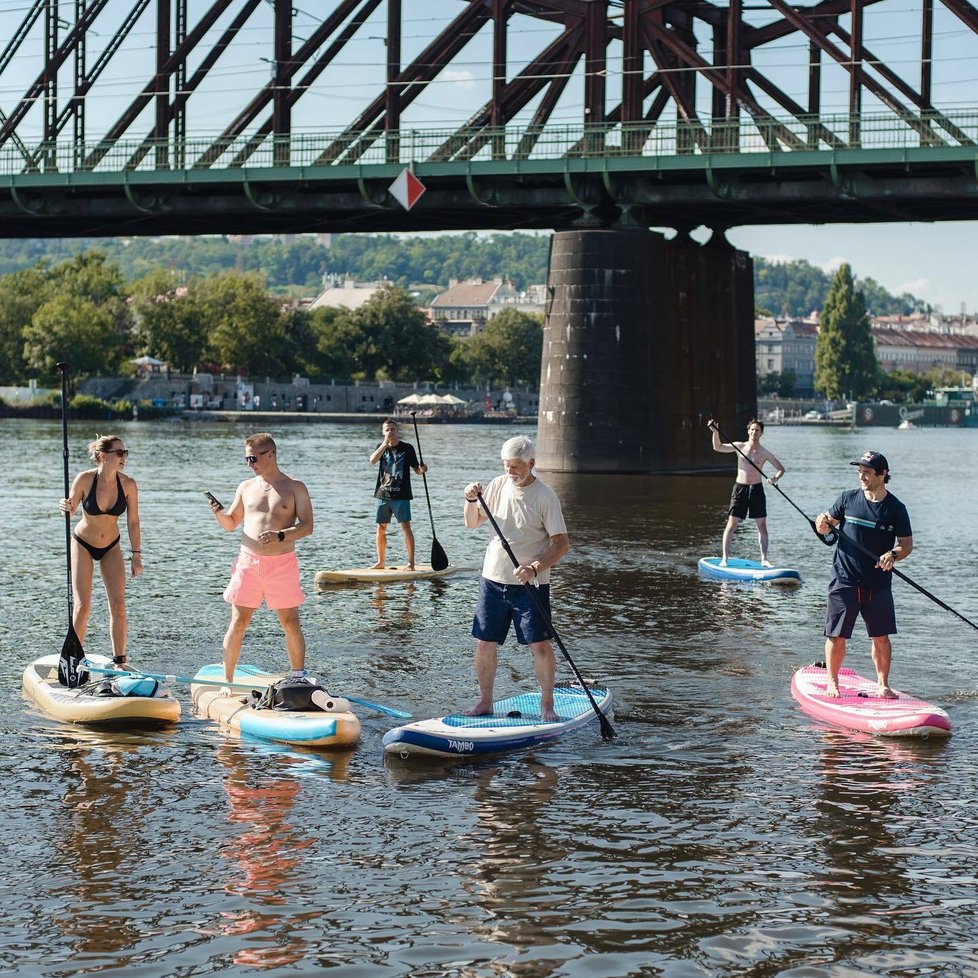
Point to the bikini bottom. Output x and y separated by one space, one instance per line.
97 552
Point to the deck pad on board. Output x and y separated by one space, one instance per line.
859 706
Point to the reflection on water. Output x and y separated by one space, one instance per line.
723 833
265 852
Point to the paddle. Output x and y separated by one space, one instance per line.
845 542
607 731
829 539
389 710
70 673
439 559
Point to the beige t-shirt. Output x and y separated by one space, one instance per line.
527 518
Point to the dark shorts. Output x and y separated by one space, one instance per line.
846 601
748 501
500 604
400 509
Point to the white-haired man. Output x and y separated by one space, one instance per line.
529 516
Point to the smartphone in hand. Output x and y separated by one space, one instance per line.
214 499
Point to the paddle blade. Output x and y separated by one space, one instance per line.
71 672
439 559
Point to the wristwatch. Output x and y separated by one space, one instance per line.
893 554
281 536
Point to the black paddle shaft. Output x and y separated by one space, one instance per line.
439 559
607 731
828 539
72 653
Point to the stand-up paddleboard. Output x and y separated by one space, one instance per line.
859 707
747 570
370 575
514 722
101 701
237 714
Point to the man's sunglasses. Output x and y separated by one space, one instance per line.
251 459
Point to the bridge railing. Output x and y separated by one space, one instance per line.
513 144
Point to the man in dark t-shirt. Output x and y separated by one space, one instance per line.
869 520
393 491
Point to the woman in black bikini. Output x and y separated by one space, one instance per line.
104 494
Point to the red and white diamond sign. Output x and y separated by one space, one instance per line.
407 189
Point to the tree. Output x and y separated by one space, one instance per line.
168 322
508 351
72 329
20 296
845 360
246 329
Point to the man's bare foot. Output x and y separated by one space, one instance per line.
831 689
378 566
481 709
723 562
885 693
765 562
410 566
548 715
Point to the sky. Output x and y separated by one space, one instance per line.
935 262
932 261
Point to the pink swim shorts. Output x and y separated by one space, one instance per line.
276 579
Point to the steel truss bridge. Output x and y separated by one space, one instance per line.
683 116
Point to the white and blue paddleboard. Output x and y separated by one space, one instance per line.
514 722
747 570
236 714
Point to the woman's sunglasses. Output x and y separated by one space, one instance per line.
121 452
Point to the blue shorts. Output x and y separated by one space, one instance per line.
845 601
400 509
500 604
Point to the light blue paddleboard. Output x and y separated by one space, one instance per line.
747 570
514 722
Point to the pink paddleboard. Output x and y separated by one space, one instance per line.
860 708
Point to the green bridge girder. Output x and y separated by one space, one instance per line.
601 177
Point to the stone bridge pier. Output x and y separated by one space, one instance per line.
645 339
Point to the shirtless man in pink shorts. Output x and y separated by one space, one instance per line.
275 511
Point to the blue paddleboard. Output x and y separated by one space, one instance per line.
514 722
747 570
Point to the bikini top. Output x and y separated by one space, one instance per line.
90 502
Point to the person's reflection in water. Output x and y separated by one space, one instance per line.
515 880
863 780
96 804
266 854
394 607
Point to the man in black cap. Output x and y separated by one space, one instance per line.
869 519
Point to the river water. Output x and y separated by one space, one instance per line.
723 833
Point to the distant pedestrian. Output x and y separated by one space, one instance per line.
747 497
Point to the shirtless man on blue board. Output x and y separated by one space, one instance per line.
747 497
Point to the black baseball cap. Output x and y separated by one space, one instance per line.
873 460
